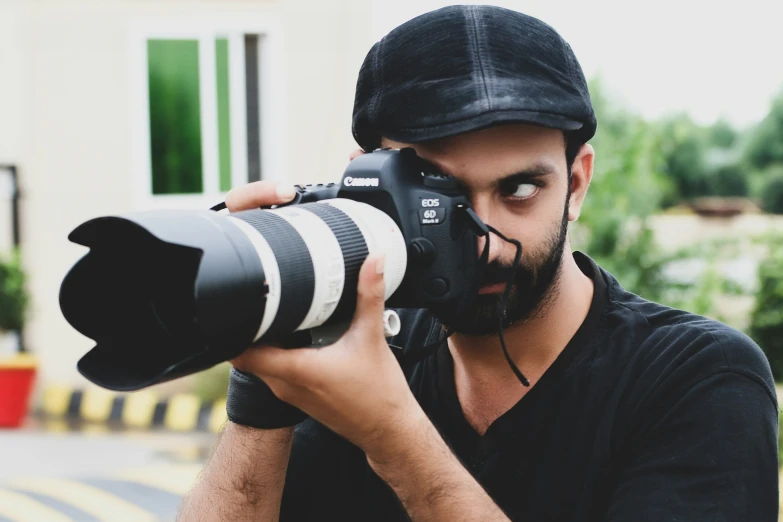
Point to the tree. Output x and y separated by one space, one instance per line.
765 146
683 145
772 195
632 177
728 180
722 135
626 188
13 295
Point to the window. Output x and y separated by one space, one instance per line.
175 117
205 97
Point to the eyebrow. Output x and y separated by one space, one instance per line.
537 170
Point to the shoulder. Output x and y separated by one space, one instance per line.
679 348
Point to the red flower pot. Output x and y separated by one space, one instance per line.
17 375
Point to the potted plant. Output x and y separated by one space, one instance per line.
17 368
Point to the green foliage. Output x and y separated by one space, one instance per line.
694 161
698 297
639 165
765 145
722 135
626 178
683 146
212 384
766 326
13 295
780 438
627 187
772 191
701 161
728 180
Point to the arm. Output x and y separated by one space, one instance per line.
356 388
428 478
244 478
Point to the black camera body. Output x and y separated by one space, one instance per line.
169 293
433 214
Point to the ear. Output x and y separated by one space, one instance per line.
581 175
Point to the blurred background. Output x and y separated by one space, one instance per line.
123 105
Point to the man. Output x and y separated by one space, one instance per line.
634 411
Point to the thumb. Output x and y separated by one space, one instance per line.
370 295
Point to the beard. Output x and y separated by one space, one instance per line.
533 286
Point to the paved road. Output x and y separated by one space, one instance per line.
97 476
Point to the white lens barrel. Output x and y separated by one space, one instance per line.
315 251
327 259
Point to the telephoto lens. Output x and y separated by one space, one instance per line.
169 293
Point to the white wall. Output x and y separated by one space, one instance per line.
65 120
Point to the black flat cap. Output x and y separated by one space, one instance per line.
464 68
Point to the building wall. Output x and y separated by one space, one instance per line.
66 121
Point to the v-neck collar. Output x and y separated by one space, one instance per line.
573 351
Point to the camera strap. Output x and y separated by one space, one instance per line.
504 303
501 309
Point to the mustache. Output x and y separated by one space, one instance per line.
496 272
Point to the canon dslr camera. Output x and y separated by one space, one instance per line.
169 293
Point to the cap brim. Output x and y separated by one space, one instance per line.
479 122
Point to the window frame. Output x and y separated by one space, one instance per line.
272 103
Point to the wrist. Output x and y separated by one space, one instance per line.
252 403
249 436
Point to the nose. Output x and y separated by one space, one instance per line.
483 209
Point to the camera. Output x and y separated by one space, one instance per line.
165 294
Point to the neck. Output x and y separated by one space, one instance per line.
533 344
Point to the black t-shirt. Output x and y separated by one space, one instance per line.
648 414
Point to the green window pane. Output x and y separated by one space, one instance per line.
223 116
175 116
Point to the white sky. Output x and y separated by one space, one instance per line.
709 58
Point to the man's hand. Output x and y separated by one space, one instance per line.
354 386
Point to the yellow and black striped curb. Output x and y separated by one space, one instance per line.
143 409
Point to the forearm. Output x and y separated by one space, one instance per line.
429 480
244 478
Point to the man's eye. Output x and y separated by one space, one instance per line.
520 190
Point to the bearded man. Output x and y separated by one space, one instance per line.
631 411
